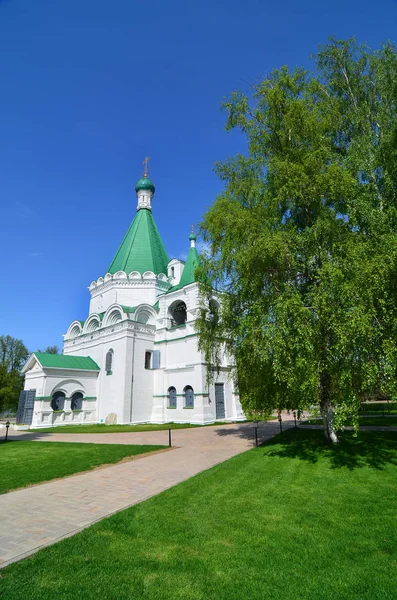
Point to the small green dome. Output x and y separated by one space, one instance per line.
145 184
192 236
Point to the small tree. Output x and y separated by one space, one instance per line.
302 239
13 355
50 350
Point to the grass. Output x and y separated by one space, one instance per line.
387 421
27 463
379 407
102 428
293 520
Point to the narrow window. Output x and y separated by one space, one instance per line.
109 362
171 397
76 401
172 271
189 397
148 359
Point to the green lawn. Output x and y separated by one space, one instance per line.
26 463
387 421
379 407
294 520
102 428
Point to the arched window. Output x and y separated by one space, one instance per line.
58 401
178 313
76 401
171 397
189 397
109 362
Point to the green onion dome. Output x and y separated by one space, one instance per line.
145 184
192 236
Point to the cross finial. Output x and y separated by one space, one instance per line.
193 228
145 166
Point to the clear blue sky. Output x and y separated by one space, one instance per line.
89 87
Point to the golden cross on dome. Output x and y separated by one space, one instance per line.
145 166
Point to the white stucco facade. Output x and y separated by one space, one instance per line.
140 334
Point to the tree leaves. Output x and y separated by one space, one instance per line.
302 239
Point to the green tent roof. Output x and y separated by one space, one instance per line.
142 248
65 361
192 262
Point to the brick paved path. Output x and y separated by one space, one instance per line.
43 514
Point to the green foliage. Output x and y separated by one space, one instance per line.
50 350
302 239
293 520
13 355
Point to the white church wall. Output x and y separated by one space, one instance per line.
128 292
142 383
112 384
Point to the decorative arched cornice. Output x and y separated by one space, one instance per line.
148 275
92 323
75 329
134 275
120 275
145 314
113 315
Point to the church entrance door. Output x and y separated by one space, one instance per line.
220 401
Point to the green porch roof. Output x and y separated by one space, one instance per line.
192 262
142 248
65 361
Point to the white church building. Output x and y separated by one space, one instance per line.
135 358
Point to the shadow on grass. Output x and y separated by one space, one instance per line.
373 449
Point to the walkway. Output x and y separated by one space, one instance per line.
38 516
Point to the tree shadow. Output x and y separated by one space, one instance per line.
246 431
24 436
373 449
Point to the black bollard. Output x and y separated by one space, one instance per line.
7 427
280 421
255 423
169 436
294 413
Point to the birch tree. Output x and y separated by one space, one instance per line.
302 240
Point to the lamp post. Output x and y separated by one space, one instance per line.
255 424
7 427
280 421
